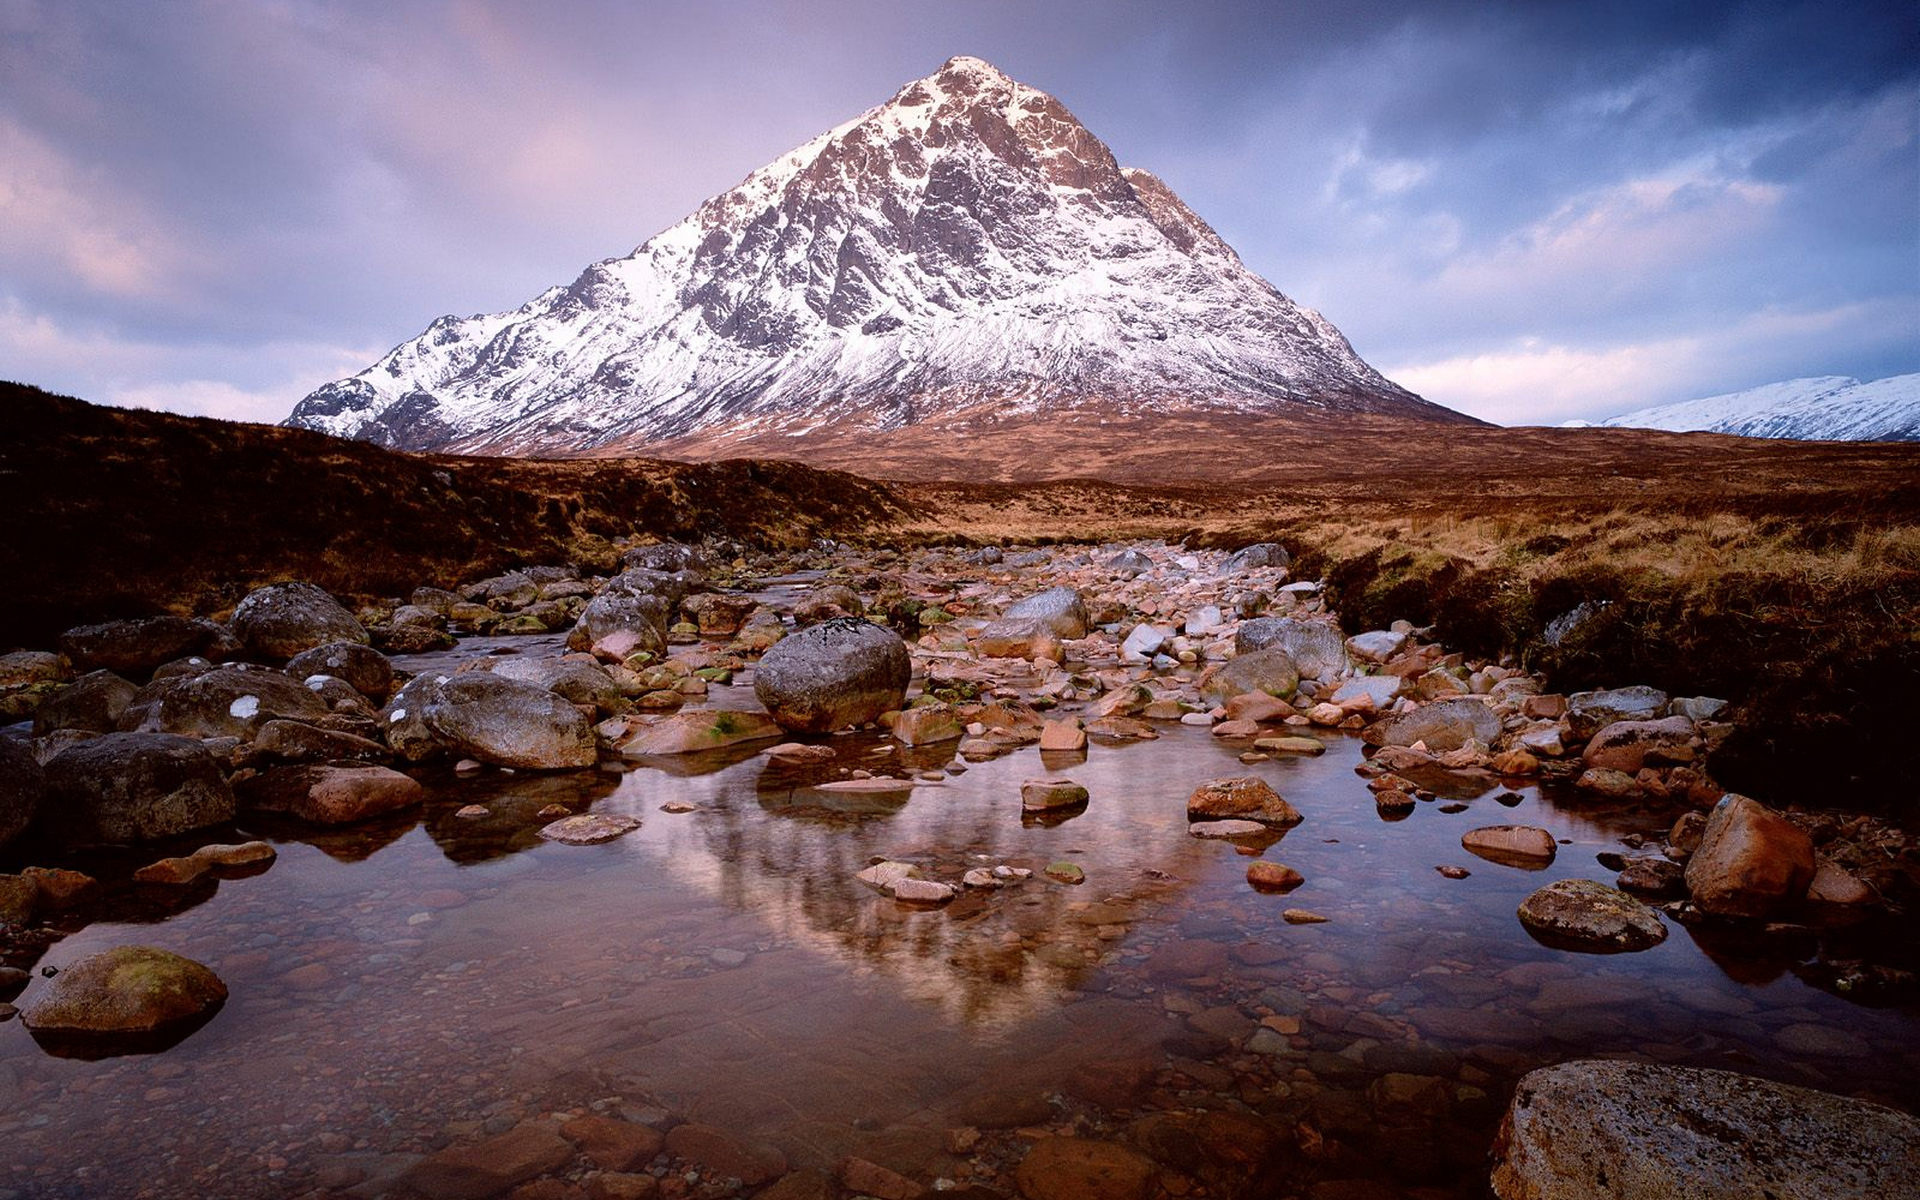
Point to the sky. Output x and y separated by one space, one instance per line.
1529 212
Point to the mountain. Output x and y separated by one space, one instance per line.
966 247
1825 408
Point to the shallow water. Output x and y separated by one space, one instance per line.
428 980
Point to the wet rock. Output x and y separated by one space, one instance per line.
95 702
693 732
923 891
1687 831
1651 877
360 666
281 620
1580 914
1065 872
1142 642
1291 745
133 787
752 1163
1245 798
332 794
718 615
1232 829
1590 712
1049 795
121 999
1620 1129
886 876
23 788
19 900
612 1144
1271 671
1376 646
833 675
1364 692
483 1169
294 741
589 829
616 625
1442 725
482 716
1062 735
1260 554
223 702
1060 609
925 725
1629 745
664 556
1751 861
1019 637
828 602
1511 845
1072 1168
1302 916
137 646
1317 649
1833 885
571 679
871 1179
1267 876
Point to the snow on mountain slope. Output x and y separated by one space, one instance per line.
966 242
1823 408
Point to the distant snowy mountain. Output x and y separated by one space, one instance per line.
966 244
1826 408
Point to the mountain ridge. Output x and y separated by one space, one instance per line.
1816 408
967 242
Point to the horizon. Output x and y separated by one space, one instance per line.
218 216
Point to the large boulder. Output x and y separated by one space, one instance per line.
696 731
571 679
616 625
1629 745
363 668
126 998
841 672
1019 637
1369 692
23 788
283 619
1751 860
225 702
1581 914
136 647
483 716
826 603
1244 798
1442 725
1061 609
1317 648
332 794
1636 1131
1590 712
95 701
133 787
1271 671
1260 554
664 556
1130 563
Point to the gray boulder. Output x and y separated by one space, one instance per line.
1377 645
616 625
23 788
94 701
1590 712
569 678
133 787
828 676
1316 647
1271 671
1582 914
1130 563
664 556
1442 724
363 668
283 619
136 647
1636 1131
225 702
1061 609
480 715
1260 554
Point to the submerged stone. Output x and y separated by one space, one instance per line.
127 1000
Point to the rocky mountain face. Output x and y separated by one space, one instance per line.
1825 408
967 246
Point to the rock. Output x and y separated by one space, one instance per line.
871 1179
1365 692
26 668
1062 735
1245 798
830 676
752 1163
243 854
332 794
589 829
281 620
1291 745
1065 872
1631 1130
1049 795
1651 877
136 647
1580 914
1327 715
363 668
1061 609
1229 829
924 725
886 876
505 722
1019 637
223 702
489 1168
1376 646
297 742
1511 845
1442 724
1687 831
1698 708
95 702
1072 1168
1315 647
616 625
1590 712
1617 785
1273 877
1302 916
1271 671
23 788
1833 885
1130 563
612 1144
828 602
133 787
923 891
19 900
126 998
1629 745
701 729
1751 861
718 615
1260 554
1142 643
1203 620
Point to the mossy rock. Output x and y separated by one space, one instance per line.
127 1000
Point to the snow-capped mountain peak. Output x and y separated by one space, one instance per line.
966 243
1819 408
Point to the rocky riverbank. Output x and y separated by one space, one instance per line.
151 737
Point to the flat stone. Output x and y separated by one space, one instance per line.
1246 798
923 891
702 729
752 1163
1580 914
1522 846
483 1169
613 1144
1632 1131
1069 1168
589 829
1267 876
1229 829
1045 795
